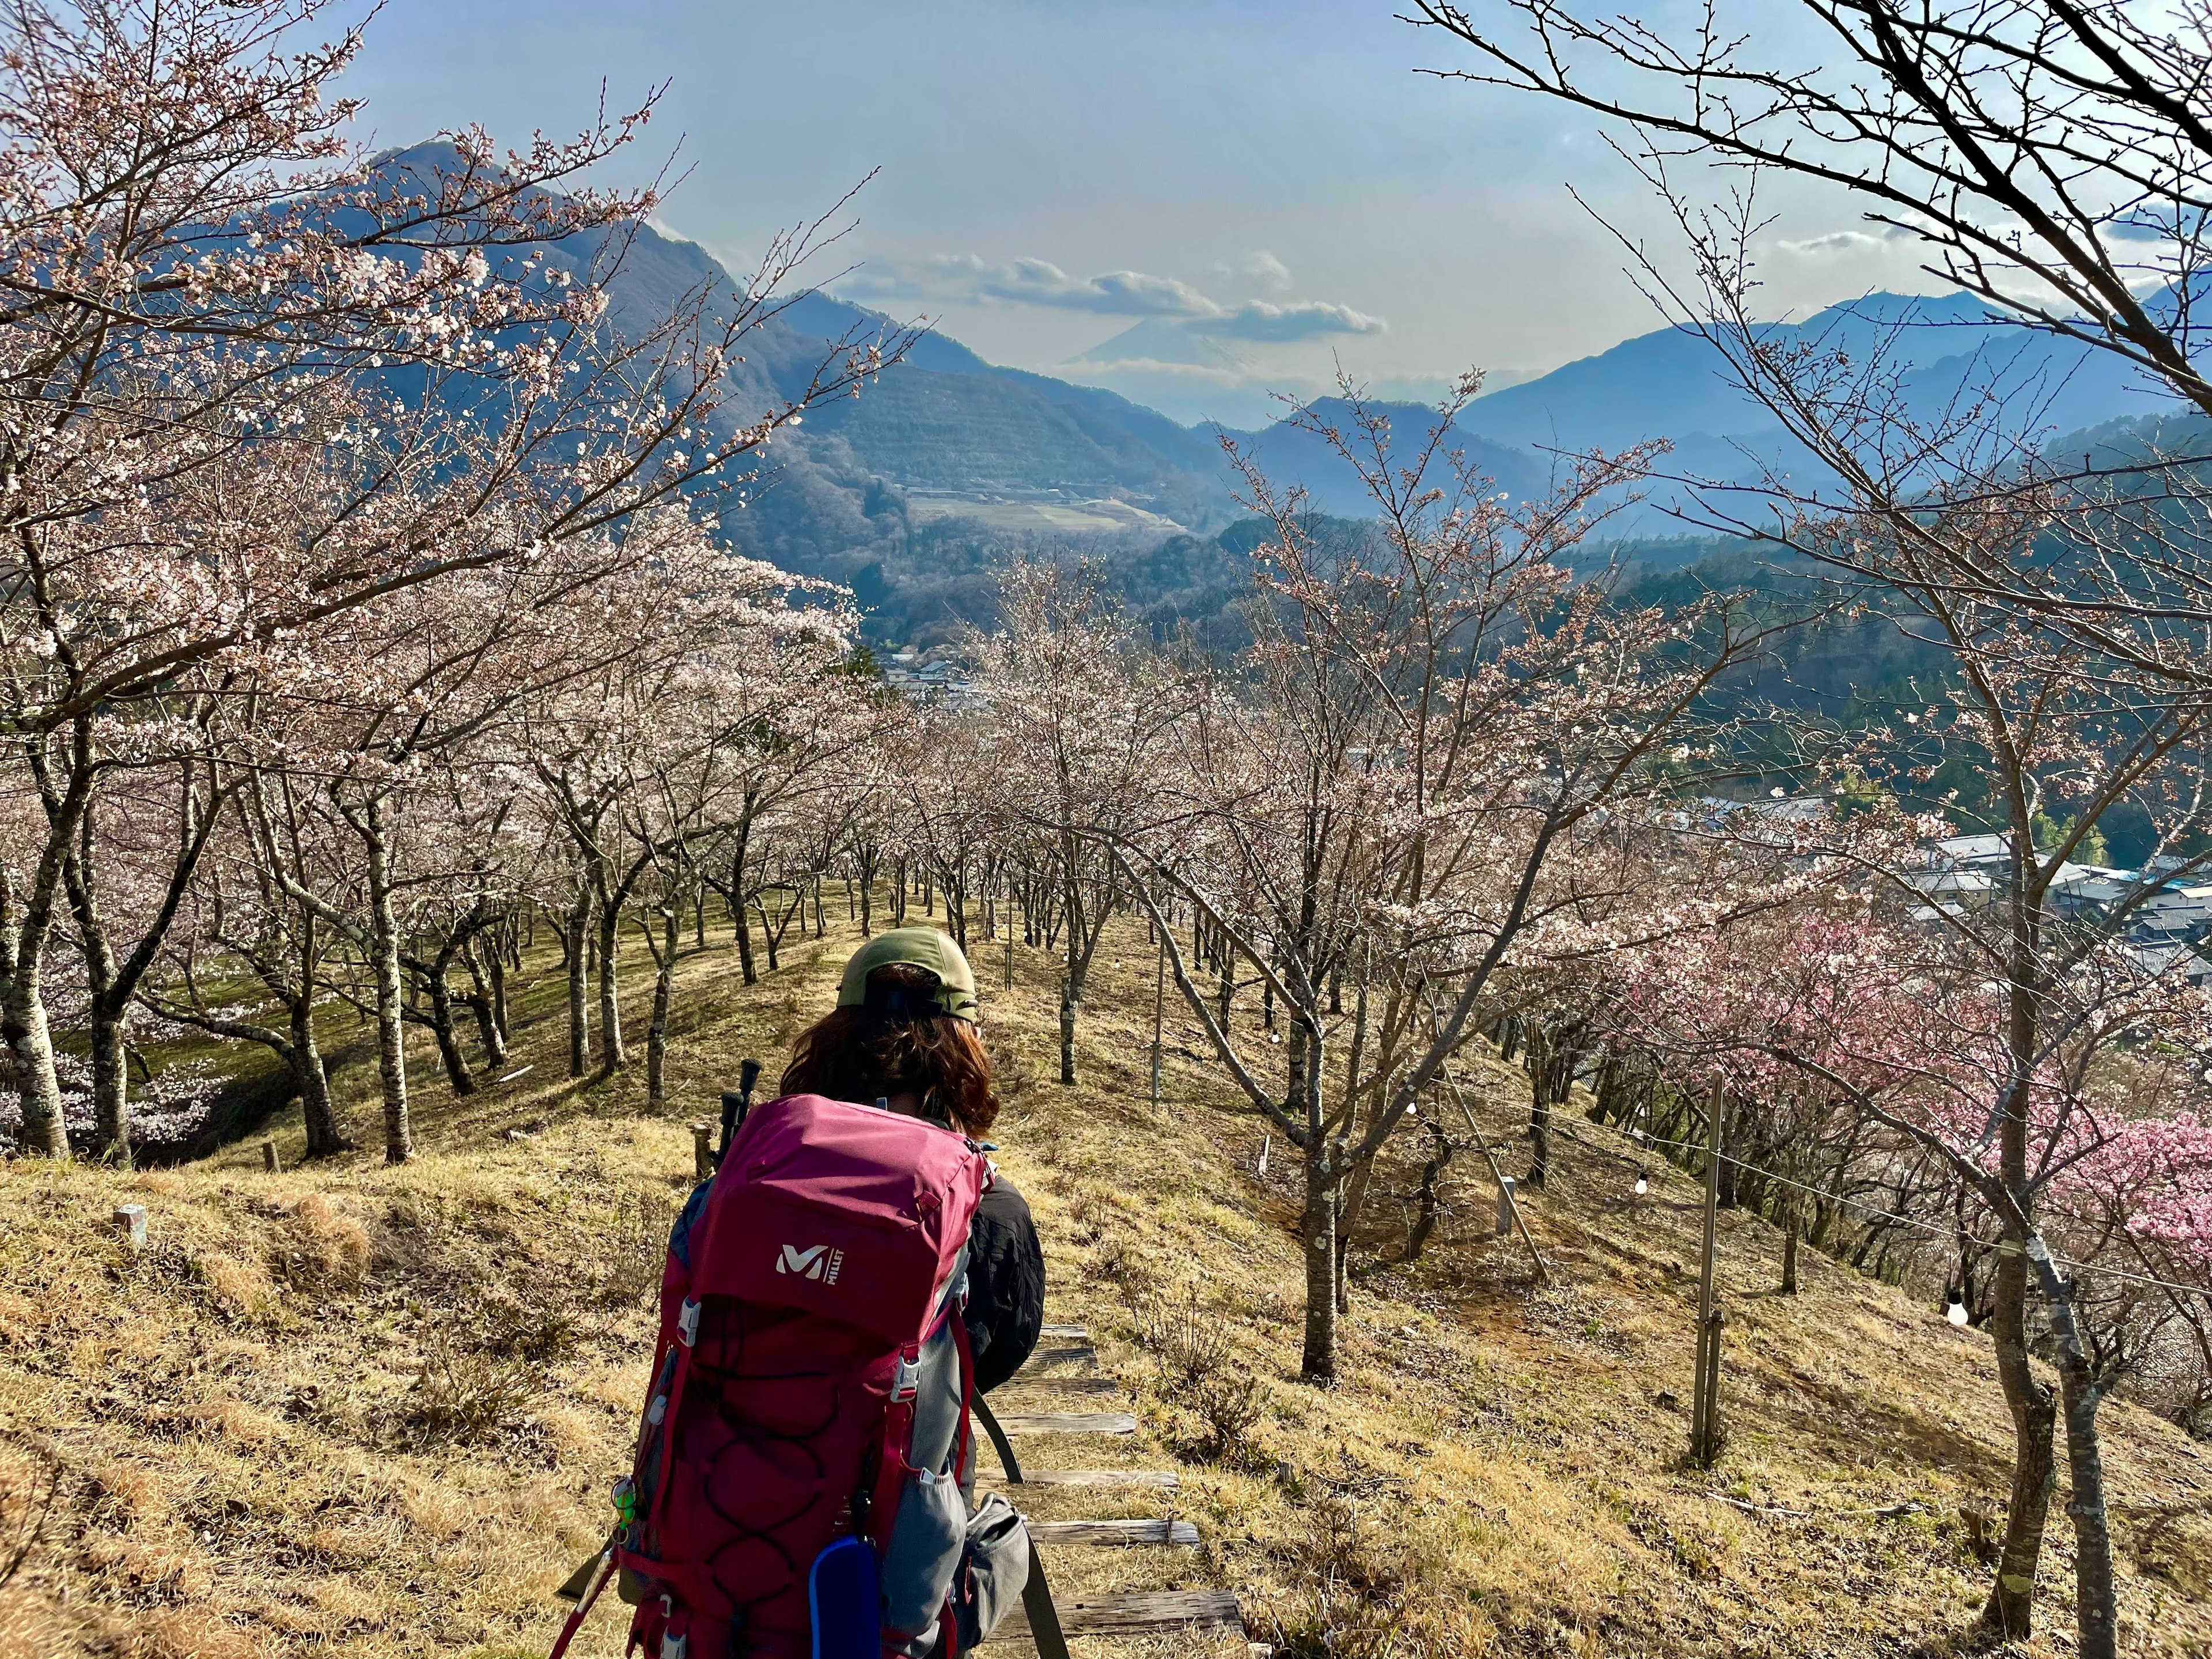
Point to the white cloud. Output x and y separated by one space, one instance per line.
1116 293
1257 320
1843 242
958 278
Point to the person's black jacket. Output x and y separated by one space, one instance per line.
1005 1285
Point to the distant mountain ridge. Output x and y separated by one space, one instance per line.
912 491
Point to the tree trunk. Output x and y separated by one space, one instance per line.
1318 1362
391 1035
746 971
770 937
106 1014
23 1015
441 1027
2009 1612
612 1056
495 1047
320 1117
1070 1002
111 1082
656 1037
489 977
1792 1227
579 922
1324 1200
1424 1219
2096 1619
1543 1061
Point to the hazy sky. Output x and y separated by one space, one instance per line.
1264 186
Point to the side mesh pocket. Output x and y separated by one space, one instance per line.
994 1567
926 1540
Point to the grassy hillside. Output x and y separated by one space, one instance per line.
364 1411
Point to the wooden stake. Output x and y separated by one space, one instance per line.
1705 1408
702 1150
1505 1204
269 1161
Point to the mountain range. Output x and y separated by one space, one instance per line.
912 491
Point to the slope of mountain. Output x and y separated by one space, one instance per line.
354 1411
1671 383
1292 455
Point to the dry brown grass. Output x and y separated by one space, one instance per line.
233 1444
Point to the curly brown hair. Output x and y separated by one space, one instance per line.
874 1051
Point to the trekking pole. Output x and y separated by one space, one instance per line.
736 1105
1036 1593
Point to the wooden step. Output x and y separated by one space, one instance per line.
1158 1480
1043 1357
1070 1333
1024 1384
1133 1612
1183 1534
1069 1423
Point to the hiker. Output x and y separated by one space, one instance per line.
904 1032
837 1298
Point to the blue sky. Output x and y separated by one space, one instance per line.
1259 191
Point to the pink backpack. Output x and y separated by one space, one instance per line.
812 1383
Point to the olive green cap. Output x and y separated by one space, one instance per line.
914 947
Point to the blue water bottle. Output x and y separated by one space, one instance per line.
843 1601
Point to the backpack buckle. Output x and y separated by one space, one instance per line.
687 1323
907 1381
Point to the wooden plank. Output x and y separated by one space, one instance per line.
1182 1534
1137 1611
1024 1385
1043 1357
1069 1423
1158 1480
1070 1333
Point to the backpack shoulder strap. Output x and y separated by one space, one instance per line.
1036 1593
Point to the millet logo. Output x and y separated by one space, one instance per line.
819 1261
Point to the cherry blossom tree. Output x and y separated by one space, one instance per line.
255 380
1074 723
1426 771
